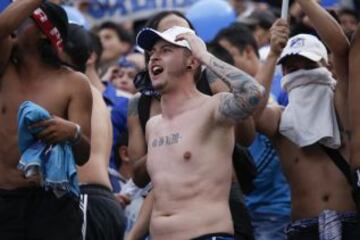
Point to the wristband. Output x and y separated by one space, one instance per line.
77 135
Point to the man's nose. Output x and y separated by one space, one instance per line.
154 56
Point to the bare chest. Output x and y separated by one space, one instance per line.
176 143
306 165
13 92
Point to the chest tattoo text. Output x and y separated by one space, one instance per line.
167 140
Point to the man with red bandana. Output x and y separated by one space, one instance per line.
32 35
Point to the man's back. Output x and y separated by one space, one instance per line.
190 167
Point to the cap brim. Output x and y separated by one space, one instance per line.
308 55
147 38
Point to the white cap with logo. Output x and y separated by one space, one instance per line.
305 45
147 37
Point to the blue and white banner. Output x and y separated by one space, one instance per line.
123 10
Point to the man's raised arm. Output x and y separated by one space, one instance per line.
335 39
246 93
10 19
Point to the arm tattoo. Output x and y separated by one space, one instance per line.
245 94
133 106
211 77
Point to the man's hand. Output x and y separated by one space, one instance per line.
56 130
198 47
124 200
279 36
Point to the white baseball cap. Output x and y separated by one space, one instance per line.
147 37
305 45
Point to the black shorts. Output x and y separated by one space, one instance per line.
105 218
215 236
36 214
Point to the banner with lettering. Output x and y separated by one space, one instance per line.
123 10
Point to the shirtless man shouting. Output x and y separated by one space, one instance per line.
32 35
190 144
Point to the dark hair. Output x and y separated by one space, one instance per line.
121 32
97 47
347 11
239 36
123 141
48 54
78 46
155 20
218 51
58 17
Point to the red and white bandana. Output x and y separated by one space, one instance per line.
48 29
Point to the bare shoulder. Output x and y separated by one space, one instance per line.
75 77
75 82
153 121
151 125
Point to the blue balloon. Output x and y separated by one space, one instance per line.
329 3
75 16
210 16
4 4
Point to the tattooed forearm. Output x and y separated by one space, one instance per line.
133 106
246 92
211 77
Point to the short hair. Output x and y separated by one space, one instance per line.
78 46
347 11
122 141
155 20
96 47
239 36
121 32
221 53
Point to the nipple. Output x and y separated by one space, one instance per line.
187 155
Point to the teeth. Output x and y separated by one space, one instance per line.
157 69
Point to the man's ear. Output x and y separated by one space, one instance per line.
124 154
248 51
193 63
92 59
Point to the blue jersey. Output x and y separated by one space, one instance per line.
271 193
118 105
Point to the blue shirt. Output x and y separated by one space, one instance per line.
118 105
271 194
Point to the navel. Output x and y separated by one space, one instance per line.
296 160
187 155
326 197
3 110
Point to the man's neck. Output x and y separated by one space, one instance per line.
175 102
32 66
